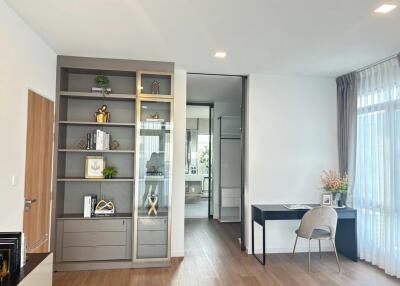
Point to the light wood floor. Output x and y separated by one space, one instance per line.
213 257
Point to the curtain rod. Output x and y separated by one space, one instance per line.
377 63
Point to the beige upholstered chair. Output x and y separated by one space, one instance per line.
320 224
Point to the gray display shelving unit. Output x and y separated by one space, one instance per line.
229 169
130 238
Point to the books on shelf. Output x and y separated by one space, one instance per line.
155 125
89 205
98 140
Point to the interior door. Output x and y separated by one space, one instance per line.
38 164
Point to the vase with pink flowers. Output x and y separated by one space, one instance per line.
337 185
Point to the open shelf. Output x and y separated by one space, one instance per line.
95 95
156 95
95 151
130 106
88 123
80 216
95 180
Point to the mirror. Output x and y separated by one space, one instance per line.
191 151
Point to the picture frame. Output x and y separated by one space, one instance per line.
94 166
327 199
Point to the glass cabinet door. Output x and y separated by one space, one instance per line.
153 176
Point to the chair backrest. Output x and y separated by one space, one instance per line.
317 218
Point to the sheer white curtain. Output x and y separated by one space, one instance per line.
377 176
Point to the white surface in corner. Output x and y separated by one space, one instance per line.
26 62
178 183
291 139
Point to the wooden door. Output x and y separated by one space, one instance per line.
39 146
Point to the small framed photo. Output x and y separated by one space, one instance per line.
327 199
94 167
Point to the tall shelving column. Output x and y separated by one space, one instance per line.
152 210
131 238
94 240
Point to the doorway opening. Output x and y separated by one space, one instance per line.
224 96
38 163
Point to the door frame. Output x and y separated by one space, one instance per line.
46 191
243 123
210 153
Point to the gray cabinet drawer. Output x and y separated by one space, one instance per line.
94 253
153 223
152 251
94 238
95 225
152 237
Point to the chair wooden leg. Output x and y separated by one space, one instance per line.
319 244
337 258
309 254
295 243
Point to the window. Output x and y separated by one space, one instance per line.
377 177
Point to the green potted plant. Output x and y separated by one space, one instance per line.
110 172
102 82
335 184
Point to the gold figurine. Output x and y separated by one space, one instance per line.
102 115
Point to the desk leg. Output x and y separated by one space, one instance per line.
252 242
346 238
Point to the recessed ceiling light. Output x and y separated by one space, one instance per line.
385 8
220 55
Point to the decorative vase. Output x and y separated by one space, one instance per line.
336 199
340 199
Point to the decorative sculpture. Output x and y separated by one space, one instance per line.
102 115
155 164
114 145
82 144
155 116
153 200
104 208
155 87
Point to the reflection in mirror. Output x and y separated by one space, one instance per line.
191 151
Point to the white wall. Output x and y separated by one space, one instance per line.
178 180
26 62
220 109
291 138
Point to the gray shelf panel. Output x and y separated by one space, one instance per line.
110 124
94 95
95 180
80 216
95 151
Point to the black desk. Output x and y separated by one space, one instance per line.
346 231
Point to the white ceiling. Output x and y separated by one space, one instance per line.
307 37
214 88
